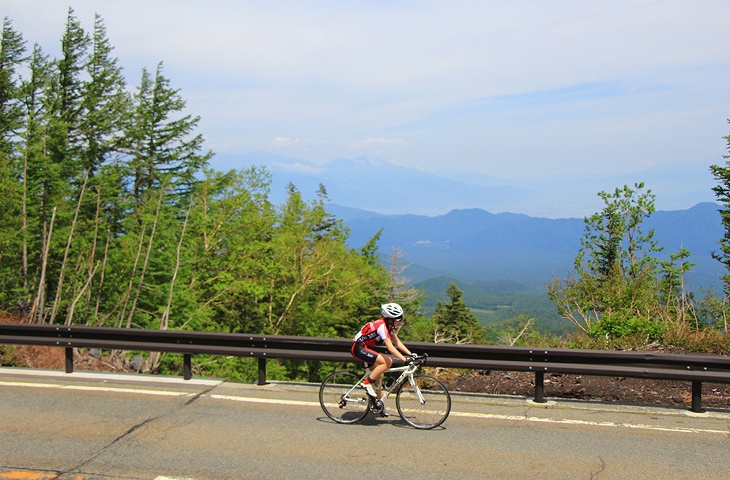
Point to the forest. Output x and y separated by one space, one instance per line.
111 216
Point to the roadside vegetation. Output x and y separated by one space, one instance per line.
111 216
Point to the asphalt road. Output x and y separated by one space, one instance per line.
94 426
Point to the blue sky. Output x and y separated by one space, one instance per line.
530 93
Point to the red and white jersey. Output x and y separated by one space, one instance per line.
373 333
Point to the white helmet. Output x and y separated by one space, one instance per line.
392 310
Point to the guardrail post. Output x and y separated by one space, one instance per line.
539 387
697 397
262 371
69 360
187 366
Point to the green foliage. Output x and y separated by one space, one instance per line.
714 310
12 51
618 326
12 58
620 287
722 193
417 329
498 306
159 139
111 217
613 242
453 321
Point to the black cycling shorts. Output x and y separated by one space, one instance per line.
361 352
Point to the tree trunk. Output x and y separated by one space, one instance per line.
146 260
156 357
39 301
59 289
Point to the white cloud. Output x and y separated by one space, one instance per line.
514 89
296 167
378 143
285 142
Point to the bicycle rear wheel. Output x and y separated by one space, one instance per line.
342 399
424 404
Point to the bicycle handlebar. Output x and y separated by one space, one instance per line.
420 359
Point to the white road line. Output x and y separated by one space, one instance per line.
516 418
161 393
491 416
31 385
136 377
173 478
272 401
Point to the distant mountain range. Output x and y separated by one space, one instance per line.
378 186
473 245
521 251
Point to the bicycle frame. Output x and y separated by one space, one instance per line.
407 372
343 399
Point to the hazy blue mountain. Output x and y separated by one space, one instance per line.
377 186
474 245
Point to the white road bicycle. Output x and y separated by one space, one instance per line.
422 401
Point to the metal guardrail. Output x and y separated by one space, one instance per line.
660 366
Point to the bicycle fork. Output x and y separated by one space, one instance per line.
412 381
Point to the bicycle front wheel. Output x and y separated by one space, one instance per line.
342 399
425 403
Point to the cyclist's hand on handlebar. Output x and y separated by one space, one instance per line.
410 359
413 355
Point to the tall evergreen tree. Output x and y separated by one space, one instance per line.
722 193
12 51
454 322
12 57
159 145
104 105
162 158
66 102
65 179
34 94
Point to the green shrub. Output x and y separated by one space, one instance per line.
620 326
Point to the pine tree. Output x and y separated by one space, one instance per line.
33 136
454 322
162 157
159 146
104 105
12 50
722 193
66 104
64 178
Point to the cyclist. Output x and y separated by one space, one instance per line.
381 331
